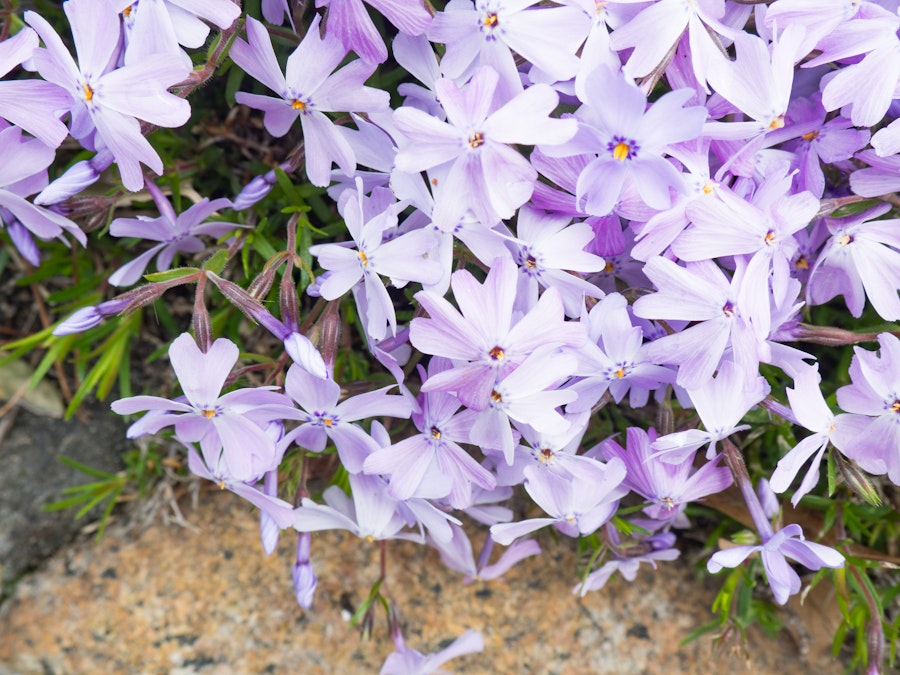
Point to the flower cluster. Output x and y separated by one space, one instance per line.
575 206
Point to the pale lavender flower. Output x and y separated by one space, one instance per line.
403 258
274 11
230 428
702 293
279 511
433 456
669 487
811 412
873 399
775 547
881 177
307 90
108 100
861 259
576 506
405 661
349 21
457 554
323 418
76 178
548 248
485 34
24 172
88 317
486 175
627 559
628 139
177 233
304 575
34 105
720 402
615 358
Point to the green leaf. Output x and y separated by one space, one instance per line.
217 261
172 275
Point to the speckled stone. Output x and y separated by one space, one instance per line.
169 599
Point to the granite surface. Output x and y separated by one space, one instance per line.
205 599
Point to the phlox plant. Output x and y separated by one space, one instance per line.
616 259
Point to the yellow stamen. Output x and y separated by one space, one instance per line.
88 92
496 397
490 20
707 188
620 372
222 485
363 258
497 354
620 152
476 140
609 267
896 406
844 240
127 11
328 422
802 263
546 455
209 414
777 123
435 433
811 136
770 238
297 104
530 262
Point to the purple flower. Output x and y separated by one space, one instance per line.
88 317
486 175
628 140
669 487
349 21
307 91
457 554
304 576
108 100
627 559
229 427
176 234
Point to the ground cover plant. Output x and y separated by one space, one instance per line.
414 263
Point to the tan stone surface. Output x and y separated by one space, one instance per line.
173 600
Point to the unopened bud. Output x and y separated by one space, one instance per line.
201 320
857 479
331 328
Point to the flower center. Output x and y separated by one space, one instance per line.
476 140
776 123
436 433
496 397
622 148
707 188
297 104
88 92
802 263
895 407
770 238
728 309
209 413
497 354
609 267
845 239
620 372
363 258
530 262
811 136
546 455
490 20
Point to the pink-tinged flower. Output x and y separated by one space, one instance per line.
702 293
861 259
720 402
628 139
485 176
230 428
578 505
487 33
307 90
177 233
349 21
406 661
111 100
811 412
34 105
873 399
487 336
669 487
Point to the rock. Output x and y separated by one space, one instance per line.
166 599
33 476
